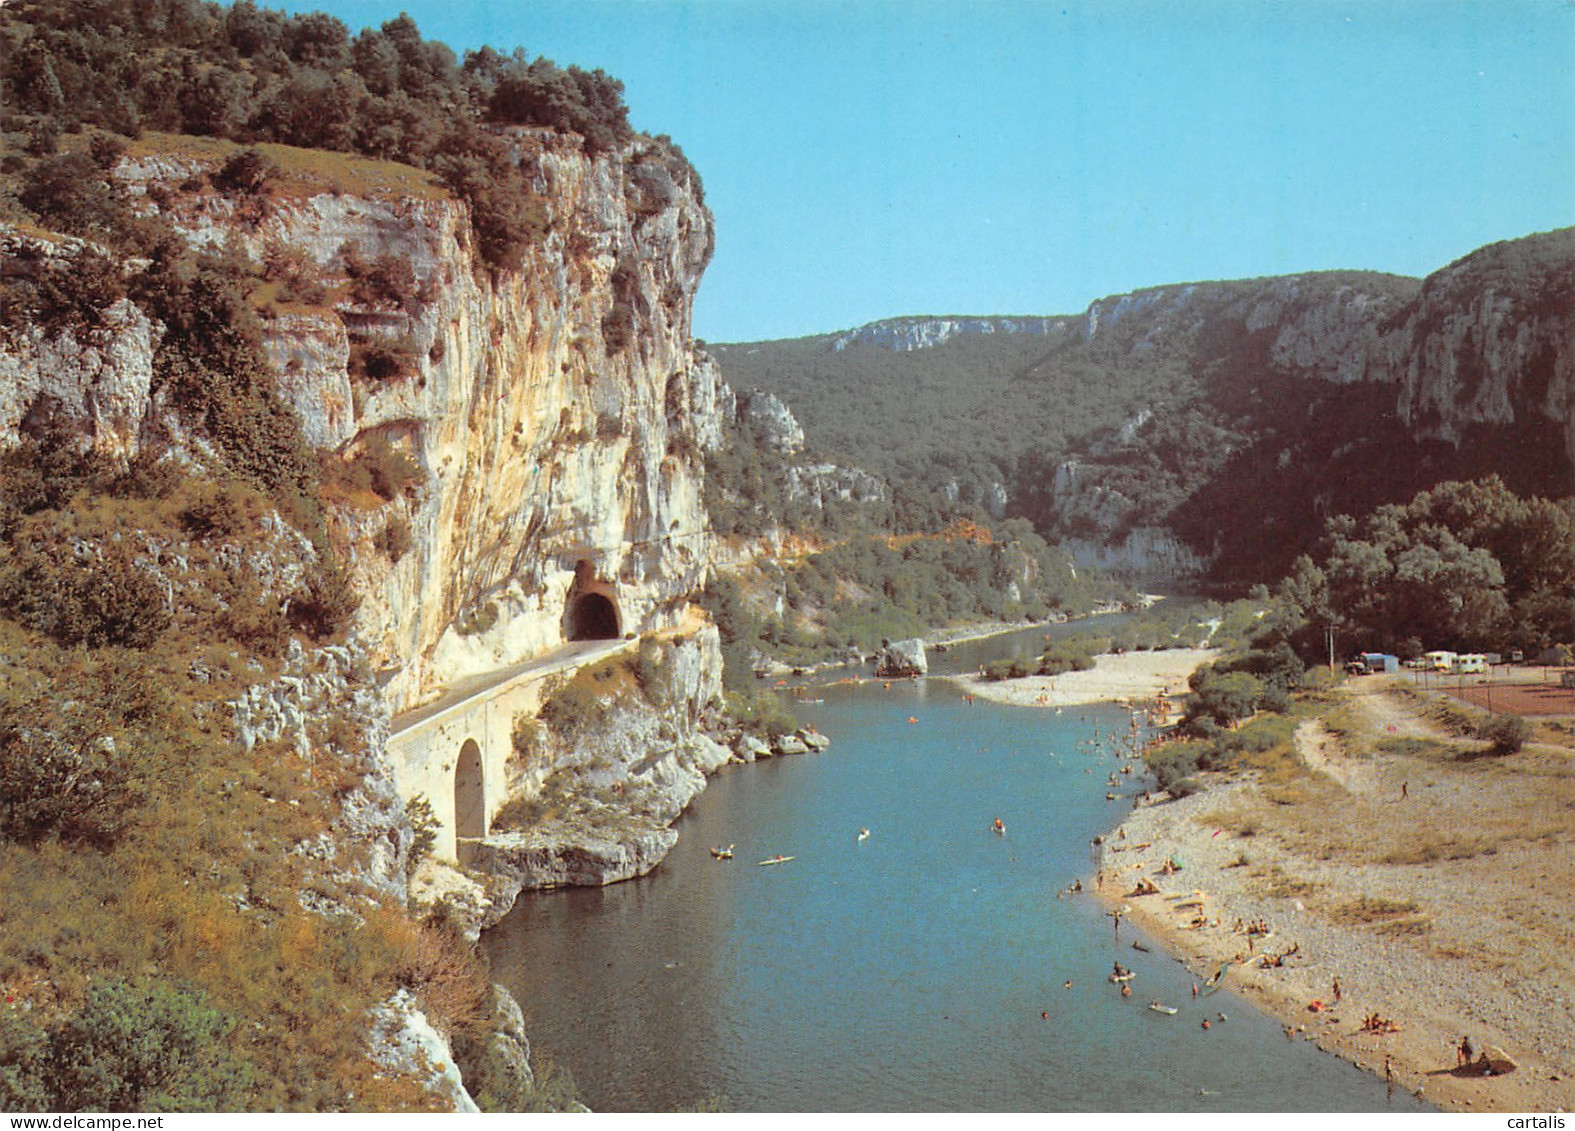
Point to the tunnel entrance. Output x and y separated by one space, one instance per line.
593 616
590 611
470 799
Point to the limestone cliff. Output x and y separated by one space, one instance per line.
557 413
1488 341
917 333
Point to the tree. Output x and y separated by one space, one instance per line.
1225 698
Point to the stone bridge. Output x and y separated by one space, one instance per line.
455 750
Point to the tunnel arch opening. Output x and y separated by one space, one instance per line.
593 616
591 610
470 798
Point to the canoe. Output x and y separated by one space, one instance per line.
1127 977
1169 1010
776 860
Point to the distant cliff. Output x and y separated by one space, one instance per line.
1210 426
919 333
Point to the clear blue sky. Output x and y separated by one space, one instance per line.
871 158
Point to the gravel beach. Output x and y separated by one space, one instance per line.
1132 675
1434 886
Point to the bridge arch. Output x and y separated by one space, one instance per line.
470 797
591 608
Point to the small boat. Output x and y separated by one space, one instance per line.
999 827
776 860
1140 946
1127 977
722 853
1168 1010
1110 797
864 834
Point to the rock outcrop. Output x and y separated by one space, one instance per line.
403 1041
900 658
922 332
770 422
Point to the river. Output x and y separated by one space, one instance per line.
923 969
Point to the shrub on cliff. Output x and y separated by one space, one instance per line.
325 602
146 1046
68 770
248 171
382 279
383 358
99 599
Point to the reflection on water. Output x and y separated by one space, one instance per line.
923 969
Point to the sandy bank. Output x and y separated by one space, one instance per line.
1443 935
1132 675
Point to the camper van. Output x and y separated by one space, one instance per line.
1469 662
1440 661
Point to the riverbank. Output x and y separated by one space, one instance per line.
1132 675
1432 884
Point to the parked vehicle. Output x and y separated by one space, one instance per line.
1470 662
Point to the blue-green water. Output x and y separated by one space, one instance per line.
923 969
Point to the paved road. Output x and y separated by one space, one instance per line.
477 686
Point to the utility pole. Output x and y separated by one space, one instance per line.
1329 632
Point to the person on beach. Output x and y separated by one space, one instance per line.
1336 988
1404 786
1463 1053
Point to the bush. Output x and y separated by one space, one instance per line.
68 780
151 1046
325 602
248 171
385 279
384 358
96 602
424 822
24 1071
395 539
1222 698
215 512
1506 733
762 712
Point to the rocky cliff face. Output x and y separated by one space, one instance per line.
557 414
905 334
1488 341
